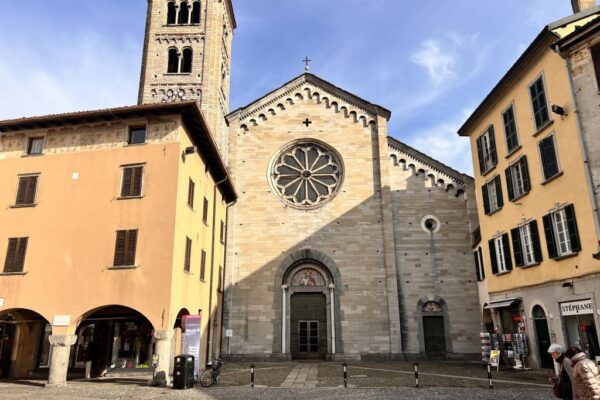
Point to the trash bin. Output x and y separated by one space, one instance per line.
183 372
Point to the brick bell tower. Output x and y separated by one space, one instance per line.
187 56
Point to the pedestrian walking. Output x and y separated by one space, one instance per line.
586 377
563 380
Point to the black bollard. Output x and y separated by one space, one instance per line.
489 367
251 375
345 374
416 375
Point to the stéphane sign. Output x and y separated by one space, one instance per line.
577 307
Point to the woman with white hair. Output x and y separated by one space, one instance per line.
563 387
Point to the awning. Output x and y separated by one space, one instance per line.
502 303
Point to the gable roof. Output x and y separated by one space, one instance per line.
309 78
192 117
548 35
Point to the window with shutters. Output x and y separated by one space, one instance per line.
596 60
222 232
510 129
517 179
486 149
131 182
26 190
15 255
492 195
539 103
136 135
479 268
220 287
500 254
191 189
205 211
35 146
562 236
548 157
203 265
125 247
526 245
188 254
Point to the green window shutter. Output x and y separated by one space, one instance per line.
525 173
517 248
493 154
493 259
509 184
480 252
480 155
572 225
119 259
476 257
499 196
506 247
535 240
486 199
550 237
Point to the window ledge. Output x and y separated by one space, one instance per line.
520 196
23 205
493 212
553 177
493 167
32 155
191 208
177 74
543 128
535 264
513 151
134 144
565 256
188 272
130 197
123 267
13 273
502 273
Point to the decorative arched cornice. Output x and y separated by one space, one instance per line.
307 255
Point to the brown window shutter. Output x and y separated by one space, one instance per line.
120 249
20 258
205 211
131 243
31 188
188 253
21 191
137 181
203 265
126 185
11 254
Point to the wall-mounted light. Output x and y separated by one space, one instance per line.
188 150
567 284
559 110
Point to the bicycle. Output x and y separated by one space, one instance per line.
210 375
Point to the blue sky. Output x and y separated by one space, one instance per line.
430 61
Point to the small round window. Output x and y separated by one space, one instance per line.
430 224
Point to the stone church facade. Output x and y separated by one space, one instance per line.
344 243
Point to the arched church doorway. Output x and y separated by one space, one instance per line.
309 290
433 330
543 336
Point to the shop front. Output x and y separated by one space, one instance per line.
579 325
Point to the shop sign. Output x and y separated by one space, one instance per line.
61 320
191 339
577 307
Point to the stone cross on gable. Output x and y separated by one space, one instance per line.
306 61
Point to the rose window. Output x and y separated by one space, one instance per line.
306 174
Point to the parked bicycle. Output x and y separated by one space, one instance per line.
210 375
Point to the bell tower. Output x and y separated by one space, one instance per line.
187 56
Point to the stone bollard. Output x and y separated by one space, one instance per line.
59 362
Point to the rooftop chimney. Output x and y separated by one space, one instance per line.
582 5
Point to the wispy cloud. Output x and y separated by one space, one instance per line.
440 65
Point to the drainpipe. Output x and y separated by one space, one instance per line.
582 144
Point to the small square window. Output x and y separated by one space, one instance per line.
137 135
35 146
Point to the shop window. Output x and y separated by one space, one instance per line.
539 103
131 182
35 146
203 266
26 190
510 129
188 254
171 13
526 245
486 151
500 254
550 166
517 179
186 64
125 248
15 255
562 236
492 195
136 135
479 268
196 12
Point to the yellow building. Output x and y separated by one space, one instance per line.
537 212
114 221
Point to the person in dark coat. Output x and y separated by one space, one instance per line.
563 386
